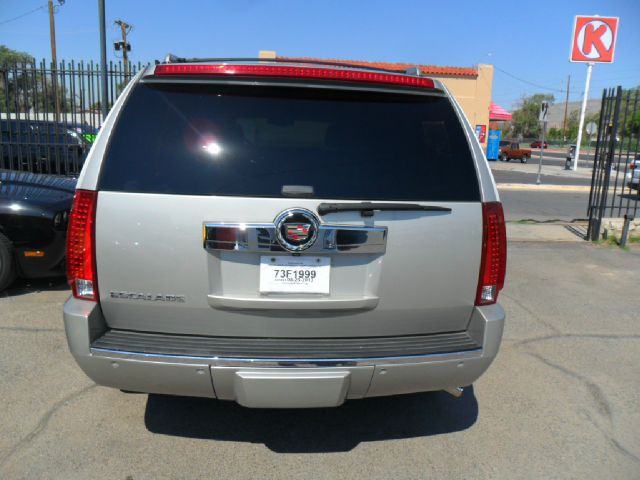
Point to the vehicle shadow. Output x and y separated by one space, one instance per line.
23 287
313 430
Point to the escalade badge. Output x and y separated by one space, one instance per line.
296 229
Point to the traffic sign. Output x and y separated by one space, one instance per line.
591 128
544 110
593 39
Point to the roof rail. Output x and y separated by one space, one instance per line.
170 58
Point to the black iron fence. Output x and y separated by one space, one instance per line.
50 114
616 168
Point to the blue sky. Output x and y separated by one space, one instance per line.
529 40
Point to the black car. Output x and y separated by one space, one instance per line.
44 146
33 222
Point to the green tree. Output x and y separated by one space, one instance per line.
555 133
10 57
8 85
632 124
525 118
572 125
21 90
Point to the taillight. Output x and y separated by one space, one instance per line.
494 254
81 253
293 72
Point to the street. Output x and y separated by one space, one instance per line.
544 205
560 401
558 156
562 195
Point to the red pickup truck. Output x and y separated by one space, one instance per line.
512 150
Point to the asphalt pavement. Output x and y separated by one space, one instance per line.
544 206
562 196
586 154
561 400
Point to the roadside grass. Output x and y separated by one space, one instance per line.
614 241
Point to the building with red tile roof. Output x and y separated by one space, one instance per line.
429 70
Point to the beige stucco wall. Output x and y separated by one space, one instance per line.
473 94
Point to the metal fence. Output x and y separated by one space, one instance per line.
50 114
616 169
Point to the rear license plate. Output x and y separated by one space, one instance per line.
280 274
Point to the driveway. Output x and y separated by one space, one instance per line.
560 401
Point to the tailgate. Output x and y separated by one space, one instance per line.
151 256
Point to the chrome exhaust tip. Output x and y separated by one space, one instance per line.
455 391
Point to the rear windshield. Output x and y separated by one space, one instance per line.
208 139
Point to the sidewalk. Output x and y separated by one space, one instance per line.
522 176
541 232
532 167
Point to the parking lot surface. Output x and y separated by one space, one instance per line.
561 400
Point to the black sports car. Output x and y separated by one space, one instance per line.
33 223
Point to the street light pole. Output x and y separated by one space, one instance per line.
103 61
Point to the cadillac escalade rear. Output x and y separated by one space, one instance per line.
285 235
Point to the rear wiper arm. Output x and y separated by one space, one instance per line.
367 208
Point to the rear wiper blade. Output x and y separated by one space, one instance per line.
367 208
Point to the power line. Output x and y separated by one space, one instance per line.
543 87
24 14
601 81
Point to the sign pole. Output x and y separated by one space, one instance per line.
542 118
582 112
544 131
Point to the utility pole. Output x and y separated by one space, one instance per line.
54 58
566 106
126 48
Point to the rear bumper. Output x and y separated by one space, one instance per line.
267 380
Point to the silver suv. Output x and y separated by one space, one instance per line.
285 235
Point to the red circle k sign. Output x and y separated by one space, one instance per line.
594 39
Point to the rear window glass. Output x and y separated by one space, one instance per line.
251 141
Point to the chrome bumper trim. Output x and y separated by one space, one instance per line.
286 362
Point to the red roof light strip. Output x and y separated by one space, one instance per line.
293 72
